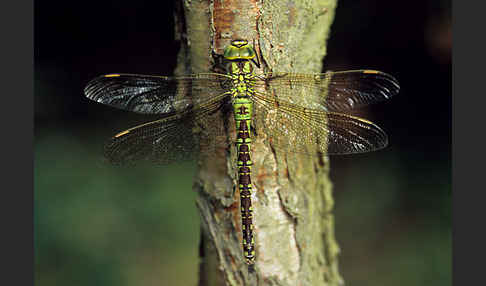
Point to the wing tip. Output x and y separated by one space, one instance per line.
392 87
392 81
90 88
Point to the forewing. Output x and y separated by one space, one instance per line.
293 128
155 94
335 91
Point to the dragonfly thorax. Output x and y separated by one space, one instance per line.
240 69
242 76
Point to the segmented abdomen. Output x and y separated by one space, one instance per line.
243 110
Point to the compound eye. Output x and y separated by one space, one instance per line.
247 53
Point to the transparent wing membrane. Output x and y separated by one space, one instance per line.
336 91
293 128
177 137
155 94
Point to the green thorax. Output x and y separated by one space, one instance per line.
239 54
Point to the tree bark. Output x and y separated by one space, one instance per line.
292 193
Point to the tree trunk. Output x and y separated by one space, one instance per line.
292 199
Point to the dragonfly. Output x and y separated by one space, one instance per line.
189 106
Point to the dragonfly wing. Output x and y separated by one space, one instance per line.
335 91
172 138
155 94
294 128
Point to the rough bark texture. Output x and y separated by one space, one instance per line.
292 199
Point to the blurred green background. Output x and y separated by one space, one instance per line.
101 225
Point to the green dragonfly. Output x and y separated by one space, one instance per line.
190 105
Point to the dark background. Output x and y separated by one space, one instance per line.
99 225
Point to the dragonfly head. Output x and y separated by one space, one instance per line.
239 50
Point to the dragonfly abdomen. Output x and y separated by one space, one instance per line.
243 112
